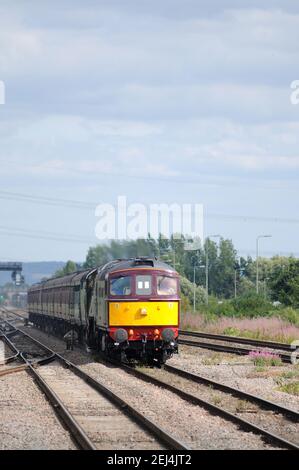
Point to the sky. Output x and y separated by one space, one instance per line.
160 101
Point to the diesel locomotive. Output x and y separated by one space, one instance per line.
127 308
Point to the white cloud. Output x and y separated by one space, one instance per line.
2 92
153 93
62 145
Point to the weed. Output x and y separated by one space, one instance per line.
264 358
212 360
291 388
216 400
242 406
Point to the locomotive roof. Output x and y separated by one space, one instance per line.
116 265
134 263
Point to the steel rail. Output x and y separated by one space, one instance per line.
72 425
145 422
158 432
13 312
213 408
242 423
10 358
229 349
15 331
240 340
267 404
12 370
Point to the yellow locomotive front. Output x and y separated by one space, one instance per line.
143 307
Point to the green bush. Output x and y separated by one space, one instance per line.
217 308
248 305
187 290
231 331
289 314
252 304
225 308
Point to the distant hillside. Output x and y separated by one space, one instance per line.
34 272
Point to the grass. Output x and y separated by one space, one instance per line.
291 374
292 388
287 382
243 406
214 359
264 328
216 400
260 369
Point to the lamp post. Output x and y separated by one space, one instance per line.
257 259
194 285
207 265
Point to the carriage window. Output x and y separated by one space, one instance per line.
120 285
143 285
166 285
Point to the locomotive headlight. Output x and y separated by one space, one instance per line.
168 335
156 334
120 335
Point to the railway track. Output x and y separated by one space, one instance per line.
219 346
12 313
199 334
4 346
236 348
263 417
10 361
178 381
94 415
241 340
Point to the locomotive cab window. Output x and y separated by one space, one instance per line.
166 285
143 285
121 285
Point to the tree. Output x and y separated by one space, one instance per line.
210 252
69 268
195 259
284 283
279 276
245 285
96 256
177 251
187 289
225 269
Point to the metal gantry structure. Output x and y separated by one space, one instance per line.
16 269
